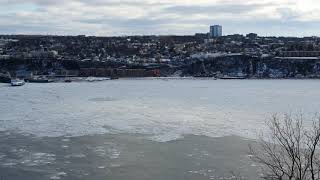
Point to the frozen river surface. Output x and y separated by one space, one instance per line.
163 110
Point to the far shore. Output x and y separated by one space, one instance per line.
94 79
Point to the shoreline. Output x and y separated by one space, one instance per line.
100 79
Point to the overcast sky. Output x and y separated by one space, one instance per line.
144 17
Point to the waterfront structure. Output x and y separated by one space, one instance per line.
215 31
300 54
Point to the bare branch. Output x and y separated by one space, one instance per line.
292 151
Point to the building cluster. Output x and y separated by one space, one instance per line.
155 55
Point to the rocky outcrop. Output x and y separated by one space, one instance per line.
230 65
255 67
235 65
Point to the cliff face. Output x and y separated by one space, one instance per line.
227 65
248 66
289 68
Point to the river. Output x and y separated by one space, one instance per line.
111 117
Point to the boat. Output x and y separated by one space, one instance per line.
17 82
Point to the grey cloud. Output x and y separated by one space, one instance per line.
215 9
85 2
119 2
288 14
156 20
136 22
37 2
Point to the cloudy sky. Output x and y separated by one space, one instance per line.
144 17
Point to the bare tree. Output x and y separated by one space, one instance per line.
290 152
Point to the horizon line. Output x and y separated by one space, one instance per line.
157 35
